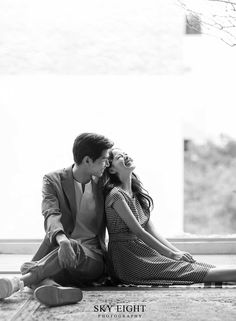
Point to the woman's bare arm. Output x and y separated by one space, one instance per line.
127 216
150 228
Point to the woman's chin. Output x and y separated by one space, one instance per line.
131 167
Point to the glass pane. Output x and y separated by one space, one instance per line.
209 129
41 116
210 187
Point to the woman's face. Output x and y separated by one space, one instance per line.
121 163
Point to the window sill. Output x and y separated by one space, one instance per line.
206 245
194 245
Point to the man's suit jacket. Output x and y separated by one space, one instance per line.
59 209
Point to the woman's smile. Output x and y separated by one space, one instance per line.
128 162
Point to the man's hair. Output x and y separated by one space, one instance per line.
90 144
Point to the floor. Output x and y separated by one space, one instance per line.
164 304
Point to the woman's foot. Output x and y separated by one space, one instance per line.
10 286
52 295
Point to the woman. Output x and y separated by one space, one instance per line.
137 253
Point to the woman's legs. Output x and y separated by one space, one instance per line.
221 274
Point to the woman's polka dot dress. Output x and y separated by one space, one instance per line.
133 261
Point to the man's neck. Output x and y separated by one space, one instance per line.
80 174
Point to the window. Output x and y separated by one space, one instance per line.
210 187
40 121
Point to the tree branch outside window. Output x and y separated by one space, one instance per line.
217 17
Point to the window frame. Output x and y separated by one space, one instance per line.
195 245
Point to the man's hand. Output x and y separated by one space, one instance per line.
66 255
183 256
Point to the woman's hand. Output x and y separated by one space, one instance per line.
183 256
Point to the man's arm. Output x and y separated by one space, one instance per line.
66 255
51 210
53 226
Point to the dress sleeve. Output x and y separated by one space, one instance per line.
113 197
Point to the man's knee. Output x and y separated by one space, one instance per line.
93 269
88 270
89 267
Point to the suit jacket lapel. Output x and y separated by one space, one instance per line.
69 189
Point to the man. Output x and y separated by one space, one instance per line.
72 252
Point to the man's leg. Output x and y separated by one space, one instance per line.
89 269
38 271
27 266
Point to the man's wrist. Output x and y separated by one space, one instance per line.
61 238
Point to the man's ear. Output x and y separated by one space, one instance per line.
111 170
86 160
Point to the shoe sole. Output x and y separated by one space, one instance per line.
5 288
56 296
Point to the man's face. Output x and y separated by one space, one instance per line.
99 165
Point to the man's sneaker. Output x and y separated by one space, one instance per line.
51 295
9 286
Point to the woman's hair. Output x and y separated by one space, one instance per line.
112 180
